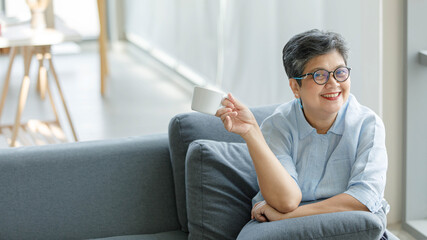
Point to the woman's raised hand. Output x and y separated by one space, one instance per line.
237 118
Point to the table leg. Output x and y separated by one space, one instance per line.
42 74
102 44
52 102
7 79
27 54
38 56
49 57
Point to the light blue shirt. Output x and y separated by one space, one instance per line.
350 158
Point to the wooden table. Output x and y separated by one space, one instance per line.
34 43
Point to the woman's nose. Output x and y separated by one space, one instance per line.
332 82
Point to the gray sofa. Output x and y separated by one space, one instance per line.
196 182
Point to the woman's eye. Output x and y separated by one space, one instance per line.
341 72
321 74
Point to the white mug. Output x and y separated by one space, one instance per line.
207 100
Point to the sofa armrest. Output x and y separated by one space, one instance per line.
351 225
87 189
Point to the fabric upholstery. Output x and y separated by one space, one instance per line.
187 127
352 225
87 189
221 182
173 235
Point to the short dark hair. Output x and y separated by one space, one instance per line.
304 46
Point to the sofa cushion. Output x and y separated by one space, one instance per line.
187 127
172 235
221 182
352 225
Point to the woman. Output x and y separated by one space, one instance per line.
323 145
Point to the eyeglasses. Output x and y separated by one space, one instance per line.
321 76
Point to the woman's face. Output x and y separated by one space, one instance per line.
321 102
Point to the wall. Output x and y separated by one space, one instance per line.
393 95
416 115
360 23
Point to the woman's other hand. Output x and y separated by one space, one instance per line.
237 118
263 212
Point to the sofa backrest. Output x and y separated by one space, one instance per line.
87 189
187 127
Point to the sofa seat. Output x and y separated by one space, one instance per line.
172 235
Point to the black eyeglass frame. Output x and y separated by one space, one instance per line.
329 74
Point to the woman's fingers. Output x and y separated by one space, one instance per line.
234 101
259 216
227 103
258 212
262 218
253 209
228 124
222 111
228 114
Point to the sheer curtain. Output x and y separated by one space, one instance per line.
182 33
255 33
237 45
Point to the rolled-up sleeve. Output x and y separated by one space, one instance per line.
368 173
279 140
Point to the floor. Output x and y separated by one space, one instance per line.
397 230
142 96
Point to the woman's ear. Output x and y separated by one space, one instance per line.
295 87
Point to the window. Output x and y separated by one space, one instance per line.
415 217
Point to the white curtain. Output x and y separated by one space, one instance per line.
255 34
237 44
185 30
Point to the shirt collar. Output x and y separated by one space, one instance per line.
304 128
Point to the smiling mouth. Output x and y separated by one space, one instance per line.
331 96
